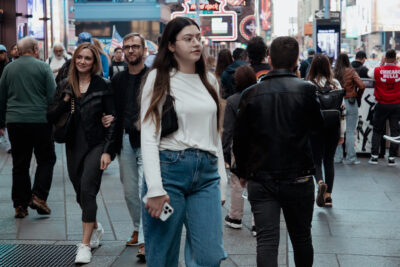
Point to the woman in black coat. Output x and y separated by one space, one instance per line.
89 146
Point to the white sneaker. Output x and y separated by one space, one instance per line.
97 234
83 254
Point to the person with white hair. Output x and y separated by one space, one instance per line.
57 58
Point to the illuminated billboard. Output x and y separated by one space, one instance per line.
328 37
387 16
35 25
216 23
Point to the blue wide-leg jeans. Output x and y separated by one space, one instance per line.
191 180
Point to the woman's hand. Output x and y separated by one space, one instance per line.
106 120
67 97
105 161
341 141
154 205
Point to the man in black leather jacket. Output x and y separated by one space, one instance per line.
273 153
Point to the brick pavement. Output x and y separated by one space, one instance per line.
362 229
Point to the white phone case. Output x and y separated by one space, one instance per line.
166 212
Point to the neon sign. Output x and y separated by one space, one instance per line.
216 23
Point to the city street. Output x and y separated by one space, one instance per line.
362 229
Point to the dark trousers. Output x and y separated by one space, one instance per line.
297 202
26 138
382 113
323 148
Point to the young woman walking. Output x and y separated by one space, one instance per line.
90 146
325 142
185 168
354 87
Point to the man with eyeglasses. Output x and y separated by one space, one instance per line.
57 58
126 87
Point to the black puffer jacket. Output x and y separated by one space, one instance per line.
276 118
98 100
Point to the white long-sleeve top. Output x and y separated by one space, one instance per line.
197 120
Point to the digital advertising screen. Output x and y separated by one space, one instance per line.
328 39
35 25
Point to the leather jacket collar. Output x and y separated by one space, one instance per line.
278 73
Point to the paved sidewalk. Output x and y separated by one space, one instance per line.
63 226
361 230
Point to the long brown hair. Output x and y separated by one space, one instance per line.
321 68
165 62
224 60
342 63
73 77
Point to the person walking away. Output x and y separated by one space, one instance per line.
223 61
118 64
305 65
90 146
227 78
354 87
3 62
183 166
324 143
244 78
57 58
126 87
103 57
273 154
359 66
26 90
257 52
387 94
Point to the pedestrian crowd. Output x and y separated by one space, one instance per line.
182 126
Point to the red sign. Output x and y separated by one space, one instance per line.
265 14
208 7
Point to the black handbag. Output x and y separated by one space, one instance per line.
62 128
169 119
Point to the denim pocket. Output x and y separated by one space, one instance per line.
169 157
212 159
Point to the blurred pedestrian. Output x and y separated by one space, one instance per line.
273 153
387 94
118 64
227 78
183 165
126 88
3 62
257 52
211 64
324 142
354 87
26 90
223 61
359 66
90 146
14 53
103 57
244 78
305 65
57 58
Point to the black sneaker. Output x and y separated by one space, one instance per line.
253 231
373 160
233 223
392 161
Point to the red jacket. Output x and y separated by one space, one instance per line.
387 84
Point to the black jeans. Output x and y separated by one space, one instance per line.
382 113
297 202
324 146
26 138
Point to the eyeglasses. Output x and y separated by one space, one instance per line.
191 39
134 47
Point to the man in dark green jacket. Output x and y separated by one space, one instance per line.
27 87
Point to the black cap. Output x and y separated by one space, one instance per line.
361 55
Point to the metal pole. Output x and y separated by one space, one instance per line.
65 6
257 16
197 12
327 8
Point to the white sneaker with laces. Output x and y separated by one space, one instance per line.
83 254
97 234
